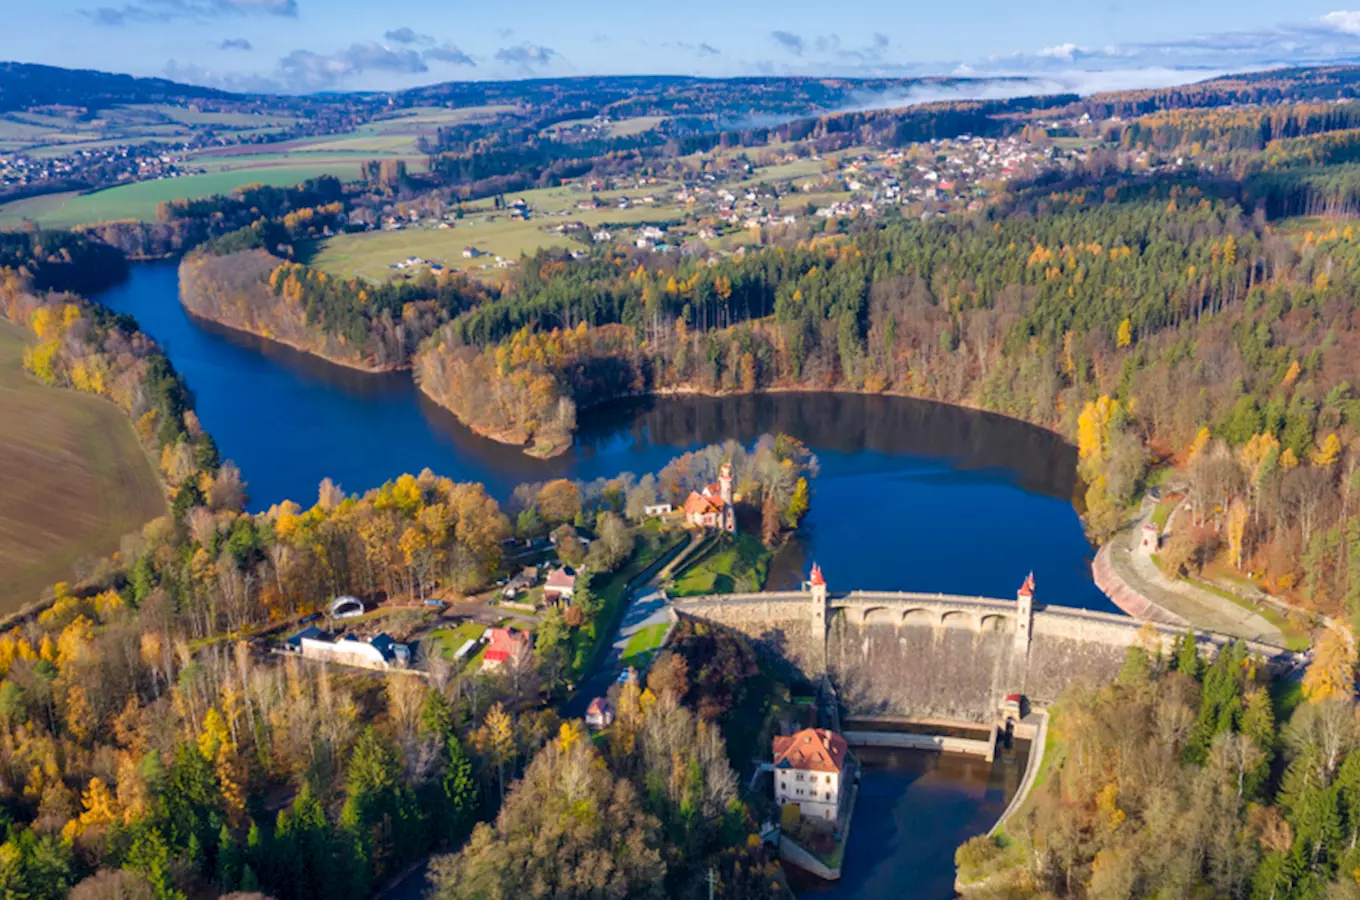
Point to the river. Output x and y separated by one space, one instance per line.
911 496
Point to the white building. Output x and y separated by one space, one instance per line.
380 652
808 770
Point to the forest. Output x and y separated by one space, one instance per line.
1184 322
372 326
1172 326
150 749
1190 777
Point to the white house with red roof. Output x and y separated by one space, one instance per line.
808 770
506 646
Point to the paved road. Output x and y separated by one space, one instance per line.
1201 608
647 605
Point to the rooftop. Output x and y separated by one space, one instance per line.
812 749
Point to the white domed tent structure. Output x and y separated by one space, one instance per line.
346 607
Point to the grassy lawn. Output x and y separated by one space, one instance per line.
1296 636
140 200
653 547
371 254
643 643
1162 513
454 638
735 564
73 479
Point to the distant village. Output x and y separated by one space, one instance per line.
724 207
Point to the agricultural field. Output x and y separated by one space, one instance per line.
803 168
140 200
622 128
73 479
53 135
394 137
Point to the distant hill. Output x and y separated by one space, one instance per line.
25 85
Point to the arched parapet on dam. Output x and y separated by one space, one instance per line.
902 608
914 654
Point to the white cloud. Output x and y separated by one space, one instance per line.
308 71
1068 51
527 58
1346 21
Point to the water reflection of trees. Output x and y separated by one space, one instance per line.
848 423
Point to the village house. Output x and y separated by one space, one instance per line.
560 586
808 766
656 510
600 713
524 579
713 506
506 646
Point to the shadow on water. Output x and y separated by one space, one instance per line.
1039 460
912 495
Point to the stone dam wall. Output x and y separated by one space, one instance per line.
911 655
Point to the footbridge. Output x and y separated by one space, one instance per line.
903 654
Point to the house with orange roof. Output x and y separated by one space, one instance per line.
712 507
809 768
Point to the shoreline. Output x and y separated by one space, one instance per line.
353 365
556 449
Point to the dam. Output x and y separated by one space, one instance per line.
901 655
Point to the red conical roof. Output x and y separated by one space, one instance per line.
816 576
1027 589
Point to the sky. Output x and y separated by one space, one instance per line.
299 46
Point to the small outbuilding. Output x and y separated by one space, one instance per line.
346 607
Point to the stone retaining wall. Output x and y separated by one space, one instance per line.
1125 597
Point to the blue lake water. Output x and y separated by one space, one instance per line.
911 496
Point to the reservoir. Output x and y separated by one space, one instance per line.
911 495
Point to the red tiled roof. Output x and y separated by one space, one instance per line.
598 707
812 749
816 576
701 503
502 643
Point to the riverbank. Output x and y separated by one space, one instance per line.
354 365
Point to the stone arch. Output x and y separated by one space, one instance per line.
957 618
994 622
919 616
877 615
